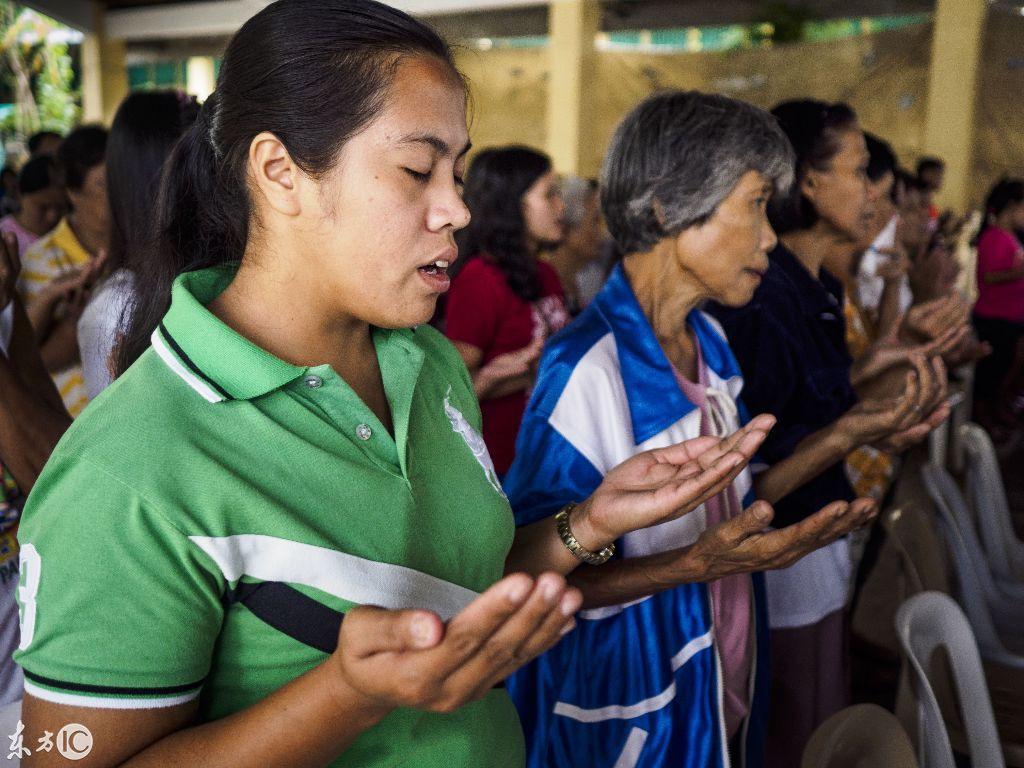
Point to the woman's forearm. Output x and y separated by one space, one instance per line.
60 349
307 723
889 308
622 581
812 456
32 416
488 387
1003 276
538 547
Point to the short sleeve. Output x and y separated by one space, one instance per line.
98 329
997 252
118 608
473 309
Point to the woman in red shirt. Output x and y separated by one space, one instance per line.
999 312
504 302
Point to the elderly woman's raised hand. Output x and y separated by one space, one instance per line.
896 423
665 483
743 544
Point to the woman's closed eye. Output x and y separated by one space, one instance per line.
421 176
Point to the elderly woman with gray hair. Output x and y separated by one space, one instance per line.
576 257
667 664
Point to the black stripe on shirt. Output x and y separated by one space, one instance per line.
293 613
112 690
190 365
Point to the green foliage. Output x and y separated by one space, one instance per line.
39 73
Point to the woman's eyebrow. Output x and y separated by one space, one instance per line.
440 145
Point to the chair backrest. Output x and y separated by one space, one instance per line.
861 736
925 622
973 577
987 496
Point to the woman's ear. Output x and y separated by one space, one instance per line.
275 174
809 185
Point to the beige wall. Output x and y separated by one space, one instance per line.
883 76
999 126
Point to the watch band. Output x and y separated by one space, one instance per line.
578 550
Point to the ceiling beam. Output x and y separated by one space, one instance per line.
186 20
80 14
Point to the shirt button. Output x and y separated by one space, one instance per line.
363 432
313 382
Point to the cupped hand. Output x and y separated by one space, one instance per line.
742 544
387 659
895 266
932 319
665 483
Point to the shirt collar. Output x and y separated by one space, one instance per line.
815 296
216 361
654 396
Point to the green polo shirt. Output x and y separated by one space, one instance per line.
203 526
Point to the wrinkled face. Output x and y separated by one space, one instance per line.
41 211
544 211
382 233
585 237
90 202
842 195
727 255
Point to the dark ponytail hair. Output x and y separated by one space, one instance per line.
145 129
495 185
311 72
813 128
1005 193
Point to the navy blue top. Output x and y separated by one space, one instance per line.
790 341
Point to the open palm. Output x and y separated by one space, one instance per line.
665 483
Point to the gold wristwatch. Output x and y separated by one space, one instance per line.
581 552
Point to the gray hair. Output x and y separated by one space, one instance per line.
575 194
677 156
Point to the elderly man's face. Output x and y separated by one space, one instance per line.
727 255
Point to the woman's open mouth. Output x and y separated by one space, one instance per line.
436 274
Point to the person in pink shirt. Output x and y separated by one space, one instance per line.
42 203
999 311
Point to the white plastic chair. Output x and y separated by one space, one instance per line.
10 714
986 605
924 622
987 497
861 736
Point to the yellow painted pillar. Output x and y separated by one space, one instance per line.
104 74
572 26
952 87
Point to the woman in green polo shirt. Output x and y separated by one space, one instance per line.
278 539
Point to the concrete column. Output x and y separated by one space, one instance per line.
104 73
952 90
572 25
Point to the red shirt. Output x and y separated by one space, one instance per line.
998 250
483 311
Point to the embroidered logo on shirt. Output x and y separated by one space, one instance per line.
473 439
